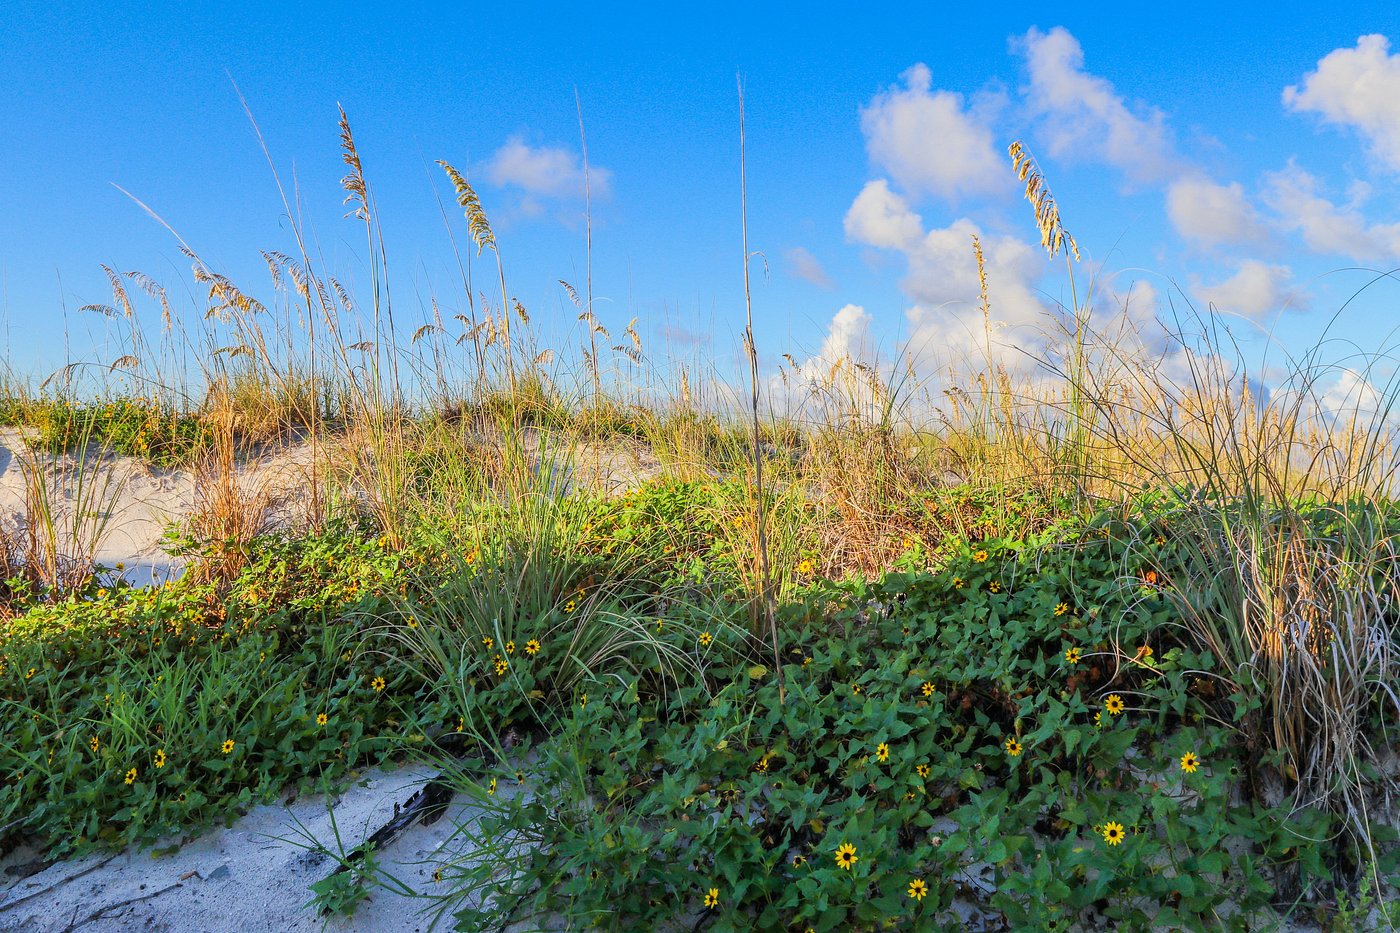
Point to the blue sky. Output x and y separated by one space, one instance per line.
1239 156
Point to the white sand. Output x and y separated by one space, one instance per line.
241 878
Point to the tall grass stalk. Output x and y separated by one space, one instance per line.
767 616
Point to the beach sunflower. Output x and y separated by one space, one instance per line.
712 898
1113 833
917 889
131 776
1013 747
882 752
532 647
322 719
160 758
1072 655
378 684
227 747
1189 762
705 639
1113 705
846 856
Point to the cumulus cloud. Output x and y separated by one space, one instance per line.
930 141
1211 214
803 265
1254 291
545 171
945 319
1358 88
1084 113
1326 227
878 217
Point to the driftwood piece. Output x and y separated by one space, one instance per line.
425 806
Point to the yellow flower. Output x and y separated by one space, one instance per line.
846 856
1113 833
805 568
1189 762
227 746
1098 720
488 642
1113 705
882 752
994 586
131 776
160 758
922 770
583 701
95 743
1144 654
491 788
501 666
855 689
378 684
1072 655
532 647
510 647
908 543
705 639
1061 609
1013 747
712 898
570 606
926 689
979 556
322 719
740 521
917 889
472 556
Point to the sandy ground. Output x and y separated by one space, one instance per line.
244 878
135 503
130 502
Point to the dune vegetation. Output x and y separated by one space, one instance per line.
857 648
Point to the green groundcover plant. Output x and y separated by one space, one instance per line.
1016 728
1021 736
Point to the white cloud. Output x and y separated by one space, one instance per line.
945 319
802 264
545 171
1326 227
1210 214
943 283
878 217
1085 113
1254 291
929 142
1356 87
